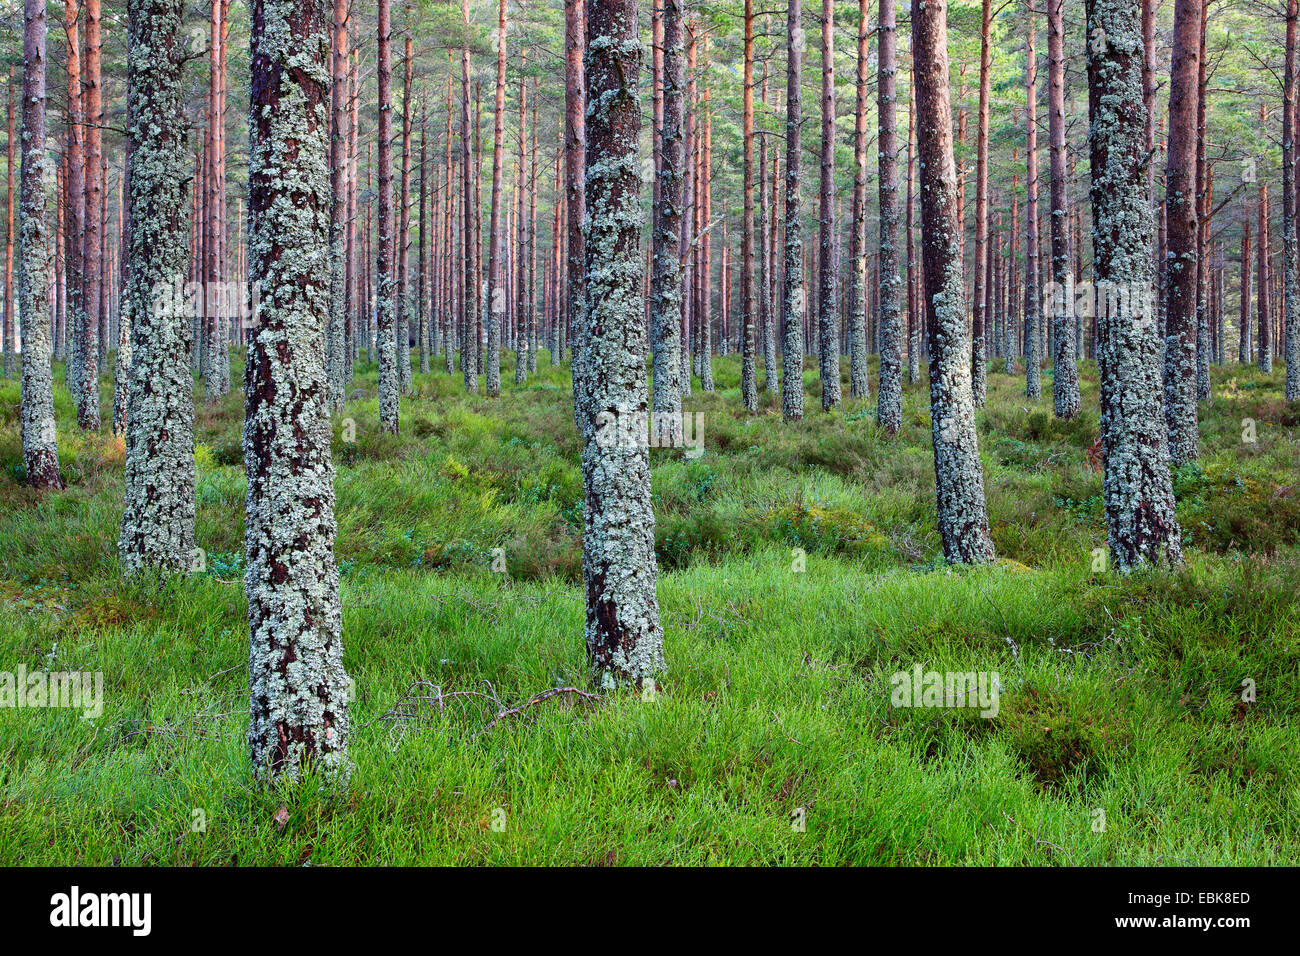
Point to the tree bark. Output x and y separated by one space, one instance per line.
963 519
158 513
1140 523
1181 211
981 315
39 436
623 635
404 225
858 387
575 166
1033 312
385 308
793 298
1065 377
496 236
666 280
828 350
889 407
298 687
1290 259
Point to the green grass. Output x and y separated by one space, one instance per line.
1120 697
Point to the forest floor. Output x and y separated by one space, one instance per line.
1121 735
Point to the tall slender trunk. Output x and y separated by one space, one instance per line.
385 308
521 224
748 292
666 279
39 435
1033 312
1065 377
469 262
1181 210
858 387
963 518
336 338
575 166
828 349
75 208
404 225
982 315
793 300
298 698
1202 224
889 409
1140 522
1243 329
158 514
623 635
496 237
913 280
424 278
1290 260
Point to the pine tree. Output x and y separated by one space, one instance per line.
1140 521
40 441
624 637
889 409
298 698
158 511
793 300
963 519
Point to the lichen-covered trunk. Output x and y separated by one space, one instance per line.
1065 375
624 637
828 311
93 240
1033 311
889 401
748 294
424 336
40 439
336 335
158 512
297 681
74 204
666 273
1140 522
858 387
1290 258
496 228
575 166
1203 200
1181 211
8 328
982 315
792 299
521 233
963 519
390 383
403 330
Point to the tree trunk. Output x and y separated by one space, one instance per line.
1140 522
1033 312
298 698
158 513
575 173
889 408
827 307
496 236
1181 210
385 308
981 315
39 436
623 635
336 337
858 387
75 210
963 520
1243 330
1065 377
748 294
404 225
1290 261
521 223
469 264
666 287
